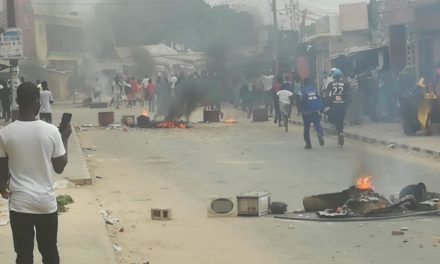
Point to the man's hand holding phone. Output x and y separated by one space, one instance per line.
65 128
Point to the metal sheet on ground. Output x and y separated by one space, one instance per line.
313 217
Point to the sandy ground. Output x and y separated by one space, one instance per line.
179 169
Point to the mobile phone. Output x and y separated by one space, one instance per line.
65 121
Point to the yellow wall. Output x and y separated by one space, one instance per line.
58 82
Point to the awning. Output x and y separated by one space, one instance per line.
354 50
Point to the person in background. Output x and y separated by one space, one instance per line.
173 83
140 94
127 92
5 99
311 109
46 100
145 81
297 92
338 92
117 86
246 97
258 93
163 98
285 102
326 79
40 88
151 89
354 110
287 84
30 150
268 96
97 90
134 90
276 87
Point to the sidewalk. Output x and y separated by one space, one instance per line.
386 134
82 237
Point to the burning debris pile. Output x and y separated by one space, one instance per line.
143 121
362 201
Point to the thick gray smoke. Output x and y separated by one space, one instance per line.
191 93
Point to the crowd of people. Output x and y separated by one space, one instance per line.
350 99
46 100
159 92
131 91
281 95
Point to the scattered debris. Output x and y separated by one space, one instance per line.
391 146
278 208
117 248
361 202
121 230
4 222
62 201
430 205
253 203
108 218
63 184
93 148
397 233
114 126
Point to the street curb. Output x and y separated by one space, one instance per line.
374 141
87 180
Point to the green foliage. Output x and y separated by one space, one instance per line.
62 201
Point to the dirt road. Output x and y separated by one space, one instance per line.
179 169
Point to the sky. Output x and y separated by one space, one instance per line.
262 7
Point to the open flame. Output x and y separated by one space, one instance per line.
171 124
364 183
230 121
146 113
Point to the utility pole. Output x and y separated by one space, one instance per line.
303 25
276 33
10 9
293 15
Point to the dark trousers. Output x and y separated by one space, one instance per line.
308 119
276 104
336 116
268 100
25 226
6 105
46 117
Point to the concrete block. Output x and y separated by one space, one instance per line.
161 214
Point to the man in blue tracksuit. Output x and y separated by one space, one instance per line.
311 109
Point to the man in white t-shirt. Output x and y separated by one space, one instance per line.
46 100
173 82
285 99
30 150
